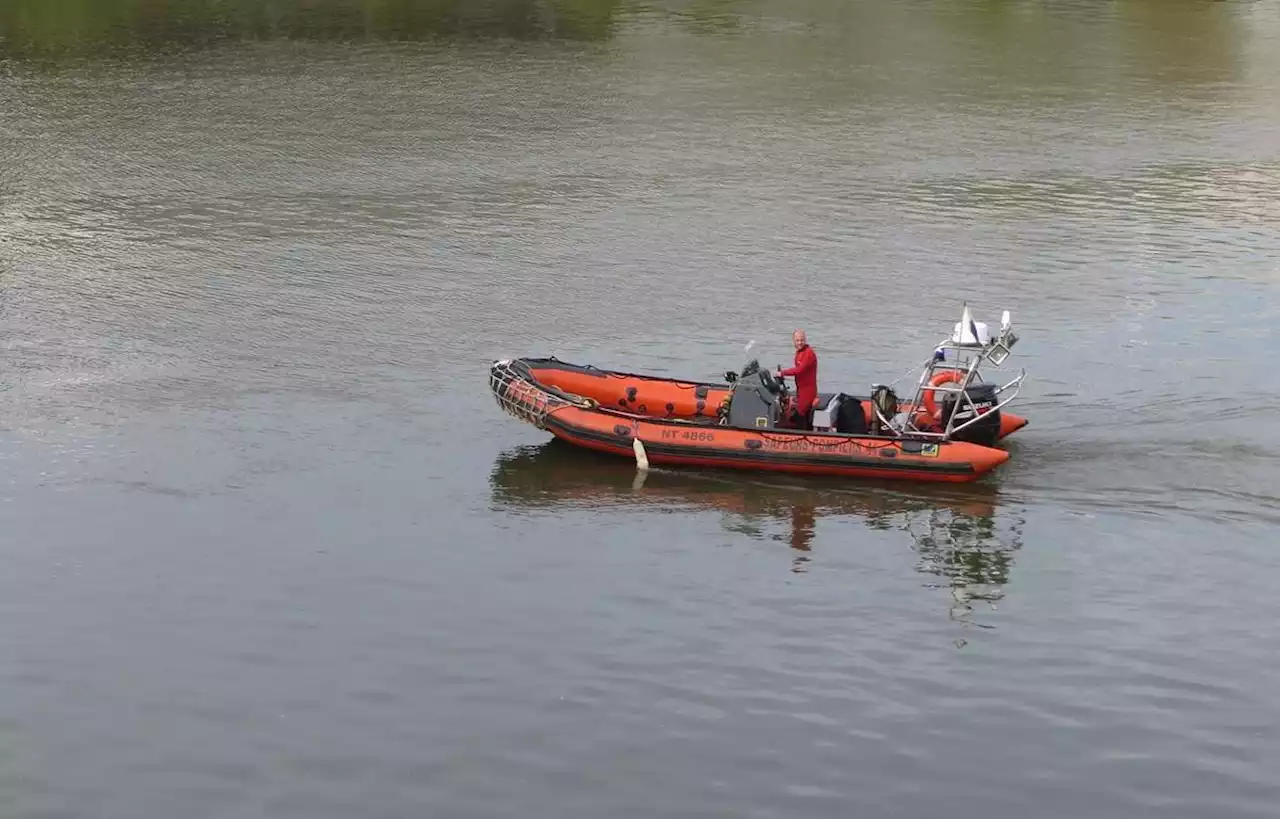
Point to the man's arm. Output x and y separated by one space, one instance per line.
807 362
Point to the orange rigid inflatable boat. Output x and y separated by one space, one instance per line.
948 431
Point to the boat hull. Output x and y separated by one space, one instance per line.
695 441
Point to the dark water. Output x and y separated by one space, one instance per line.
44 29
270 549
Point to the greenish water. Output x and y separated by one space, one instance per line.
270 549
1202 31
50 27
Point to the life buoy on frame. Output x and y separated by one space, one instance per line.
941 378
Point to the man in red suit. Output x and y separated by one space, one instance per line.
805 373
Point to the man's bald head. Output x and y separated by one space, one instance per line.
798 338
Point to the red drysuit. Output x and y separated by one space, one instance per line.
805 373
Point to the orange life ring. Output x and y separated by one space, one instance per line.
938 380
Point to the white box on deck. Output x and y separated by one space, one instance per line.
821 420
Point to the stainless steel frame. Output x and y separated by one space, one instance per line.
967 360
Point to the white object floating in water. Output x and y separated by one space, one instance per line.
642 458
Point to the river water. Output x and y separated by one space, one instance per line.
270 549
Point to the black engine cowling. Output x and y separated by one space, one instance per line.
985 431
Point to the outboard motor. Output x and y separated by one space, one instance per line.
985 431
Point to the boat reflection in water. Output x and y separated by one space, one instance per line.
955 530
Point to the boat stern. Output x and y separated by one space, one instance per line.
984 459
1010 423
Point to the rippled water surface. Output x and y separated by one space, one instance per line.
270 548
